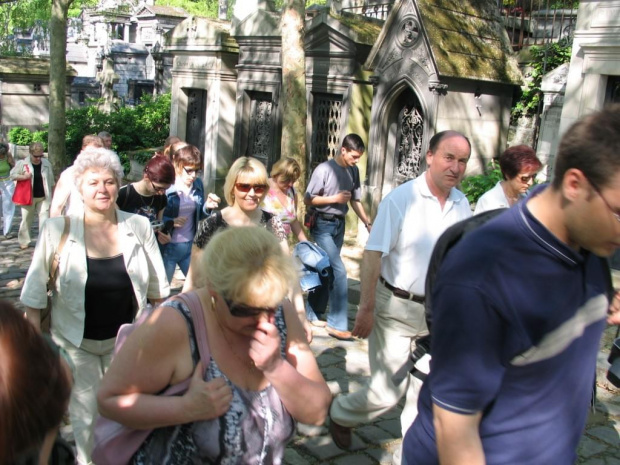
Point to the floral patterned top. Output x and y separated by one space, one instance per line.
254 430
286 213
209 226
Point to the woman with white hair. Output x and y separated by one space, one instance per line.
108 267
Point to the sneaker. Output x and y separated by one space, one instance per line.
342 335
318 323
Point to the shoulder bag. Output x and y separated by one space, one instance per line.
23 191
116 444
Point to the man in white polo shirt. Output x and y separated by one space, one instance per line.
409 221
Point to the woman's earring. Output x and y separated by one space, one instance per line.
212 303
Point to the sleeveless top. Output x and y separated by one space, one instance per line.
209 226
286 212
254 430
5 169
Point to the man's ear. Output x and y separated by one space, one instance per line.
429 157
574 184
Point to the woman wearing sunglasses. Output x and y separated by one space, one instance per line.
261 377
244 189
519 166
147 197
186 207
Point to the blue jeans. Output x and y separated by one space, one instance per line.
175 253
329 235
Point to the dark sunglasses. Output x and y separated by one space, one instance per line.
258 188
244 311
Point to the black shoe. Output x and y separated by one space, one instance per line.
340 434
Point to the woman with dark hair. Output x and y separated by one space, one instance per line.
519 166
108 267
7 187
186 207
35 385
147 197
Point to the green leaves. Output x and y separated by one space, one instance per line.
474 186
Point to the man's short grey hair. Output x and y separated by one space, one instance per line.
104 134
96 158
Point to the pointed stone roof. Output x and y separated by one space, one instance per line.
466 38
160 10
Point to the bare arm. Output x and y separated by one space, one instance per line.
192 279
614 310
358 208
298 372
155 356
318 200
34 316
458 439
370 272
298 230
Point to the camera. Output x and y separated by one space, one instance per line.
157 225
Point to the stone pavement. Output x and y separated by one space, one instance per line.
345 368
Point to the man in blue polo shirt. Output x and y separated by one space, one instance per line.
519 308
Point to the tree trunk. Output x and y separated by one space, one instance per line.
58 83
294 103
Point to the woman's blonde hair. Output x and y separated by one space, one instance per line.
96 158
246 264
287 168
252 170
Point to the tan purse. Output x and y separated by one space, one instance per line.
46 313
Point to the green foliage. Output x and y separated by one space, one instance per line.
20 136
555 54
40 136
145 125
474 186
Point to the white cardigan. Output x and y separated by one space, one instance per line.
142 260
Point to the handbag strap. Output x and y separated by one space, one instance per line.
200 331
56 259
192 300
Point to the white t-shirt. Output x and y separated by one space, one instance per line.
407 226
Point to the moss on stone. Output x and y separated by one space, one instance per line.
29 65
366 29
468 40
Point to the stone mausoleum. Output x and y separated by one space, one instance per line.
395 74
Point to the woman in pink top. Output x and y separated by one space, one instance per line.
281 200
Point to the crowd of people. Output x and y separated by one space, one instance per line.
519 304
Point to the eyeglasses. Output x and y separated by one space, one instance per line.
244 311
191 171
609 207
526 179
159 189
258 188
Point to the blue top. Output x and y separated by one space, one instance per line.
196 192
517 321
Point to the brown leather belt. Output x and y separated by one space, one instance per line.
401 293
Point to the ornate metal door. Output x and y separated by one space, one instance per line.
408 150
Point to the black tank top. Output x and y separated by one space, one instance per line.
109 301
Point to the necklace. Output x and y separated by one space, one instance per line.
144 204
